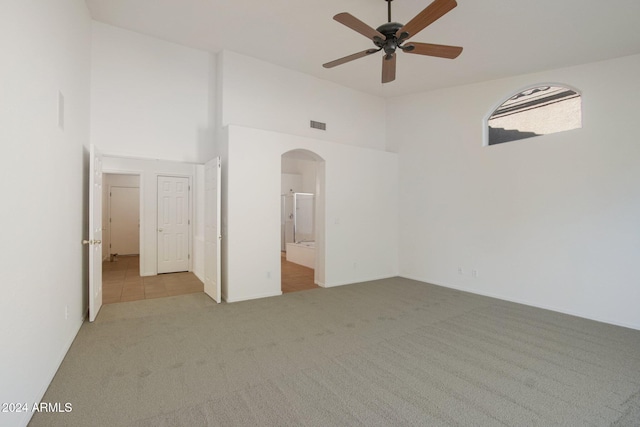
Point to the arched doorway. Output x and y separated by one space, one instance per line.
302 220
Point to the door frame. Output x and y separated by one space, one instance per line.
319 271
191 224
212 222
140 175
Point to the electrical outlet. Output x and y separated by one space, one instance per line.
268 275
460 270
474 273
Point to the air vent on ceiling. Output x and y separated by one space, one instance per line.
318 125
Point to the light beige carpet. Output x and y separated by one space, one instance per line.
388 352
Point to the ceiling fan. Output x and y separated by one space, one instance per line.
392 35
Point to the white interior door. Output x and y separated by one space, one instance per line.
124 217
212 234
173 224
95 232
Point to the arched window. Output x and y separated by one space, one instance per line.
538 110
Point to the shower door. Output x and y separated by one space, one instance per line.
304 217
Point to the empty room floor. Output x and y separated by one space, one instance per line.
121 281
388 352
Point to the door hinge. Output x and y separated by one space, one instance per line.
189 188
188 222
189 256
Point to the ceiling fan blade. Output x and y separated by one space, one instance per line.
439 50
428 16
357 25
388 68
349 58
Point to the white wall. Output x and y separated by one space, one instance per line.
360 233
304 169
156 100
150 98
550 221
45 49
149 170
260 95
290 183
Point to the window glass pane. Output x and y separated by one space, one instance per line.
536 111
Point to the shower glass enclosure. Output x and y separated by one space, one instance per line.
298 218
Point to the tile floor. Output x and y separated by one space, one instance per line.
121 282
295 277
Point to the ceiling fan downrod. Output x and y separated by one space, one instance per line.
391 41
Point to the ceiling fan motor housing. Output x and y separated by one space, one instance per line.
391 42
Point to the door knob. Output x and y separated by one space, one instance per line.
97 242
87 242
160 230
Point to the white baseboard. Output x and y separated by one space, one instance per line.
250 297
530 304
198 276
351 282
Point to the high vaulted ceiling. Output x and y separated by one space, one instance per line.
500 37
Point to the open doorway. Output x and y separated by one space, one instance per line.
121 264
120 236
300 194
123 233
120 215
